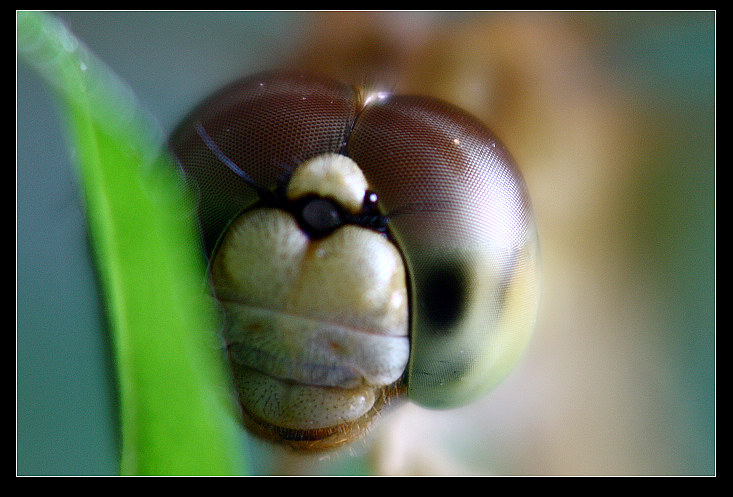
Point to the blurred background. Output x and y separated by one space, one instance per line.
611 117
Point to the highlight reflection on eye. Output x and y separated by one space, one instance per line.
363 249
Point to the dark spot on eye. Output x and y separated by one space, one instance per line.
442 294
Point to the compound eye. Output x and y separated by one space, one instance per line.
266 124
460 212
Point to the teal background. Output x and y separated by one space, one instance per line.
65 390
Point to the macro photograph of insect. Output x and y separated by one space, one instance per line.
366 243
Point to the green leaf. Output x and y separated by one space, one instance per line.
176 407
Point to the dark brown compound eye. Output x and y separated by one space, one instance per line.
266 124
330 315
464 222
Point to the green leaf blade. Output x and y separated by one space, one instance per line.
176 409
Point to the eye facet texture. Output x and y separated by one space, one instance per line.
319 300
460 212
266 124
